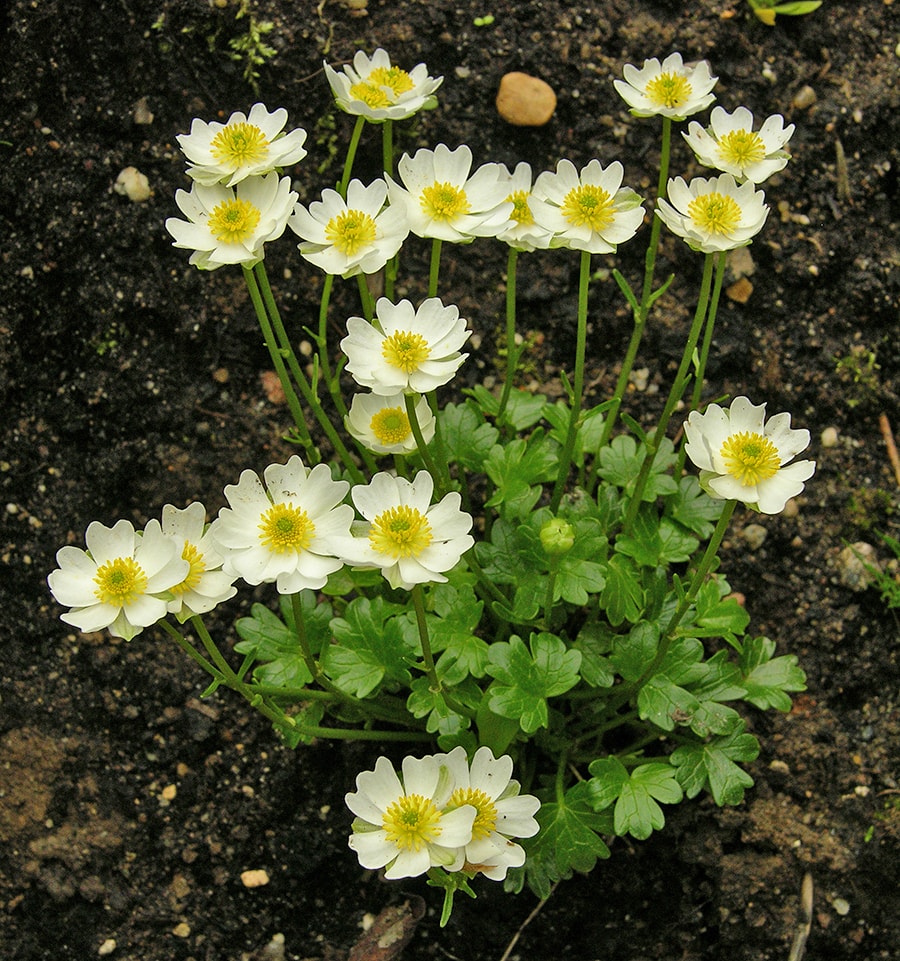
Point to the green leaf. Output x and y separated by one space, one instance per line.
635 795
718 616
595 641
523 409
442 720
274 642
634 652
526 678
713 765
665 704
767 679
620 464
691 506
623 597
517 467
467 437
587 435
567 841
372 645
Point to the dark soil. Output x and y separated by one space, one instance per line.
129 808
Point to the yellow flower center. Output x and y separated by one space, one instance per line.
233 221
120 582
390 425
398 80
742 148
715 213
405 350
588 205
400 532
521 212
239 144
350 231
669 90
443 201
286 528
485 819
370 94
192 555
412 821
750 457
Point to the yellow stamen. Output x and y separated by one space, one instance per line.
390 426
233 221
521 212
240 144
398 80
588 205
370 94
750 457
350 231
405 350
669 90
742 148
485 819
716 213
192 555
443 201
286 528
400 532
411 822
120 582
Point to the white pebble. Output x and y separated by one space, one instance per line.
131 183
829 437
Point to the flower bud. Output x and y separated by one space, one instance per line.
557 536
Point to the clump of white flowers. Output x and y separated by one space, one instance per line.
441 812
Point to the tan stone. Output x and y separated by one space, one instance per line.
525 101
740 291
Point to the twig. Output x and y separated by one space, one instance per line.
525 923
888 436
806 906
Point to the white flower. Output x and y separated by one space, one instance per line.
713 214
590 210
206 585
502 813
672 89
120 581
382 425
742 457
291 531
408 350
228 225
524 233
244 147
358 235
375 89
729 144
399 826
443 202
412 540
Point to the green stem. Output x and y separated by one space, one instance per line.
435 685
435 268
424 452
365 296
277 357
512 351
309 395
387 147
568 449
351 155
640 317
681 378
708 332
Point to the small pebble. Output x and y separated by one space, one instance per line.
108 946
182 930
754 535
829 437
739 291
131 183
840 906
851 564
254 879
804 97
525 101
